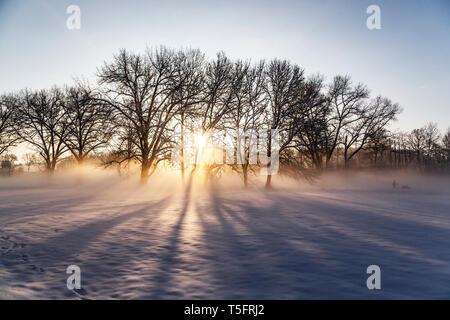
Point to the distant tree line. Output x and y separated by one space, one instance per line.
140 101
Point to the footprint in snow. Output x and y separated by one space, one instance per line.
34 268
80 292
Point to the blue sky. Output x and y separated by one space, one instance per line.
408 60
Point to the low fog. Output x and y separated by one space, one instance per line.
300 239
87 177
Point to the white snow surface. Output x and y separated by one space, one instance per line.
297 241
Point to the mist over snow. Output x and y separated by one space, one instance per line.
164 241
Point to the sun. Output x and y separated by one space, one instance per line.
200 141
200 144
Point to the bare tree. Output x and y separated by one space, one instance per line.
446 140
121 153
446 146
345 101
88 121
190 64
283 88
432 137
425 143
8 136
378 143
30 160
311 121
246 114
143 89
8 162
39 122
371 118
217 95
417 142
217 101
422 140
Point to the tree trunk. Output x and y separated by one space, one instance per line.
182 150
182 173
144 173
346 160
245 174
80 160
268 181
269 153
337 159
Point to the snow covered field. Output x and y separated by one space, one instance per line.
158 242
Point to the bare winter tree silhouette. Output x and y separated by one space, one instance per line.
144 90
144 101
8 136
39 121
88 121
